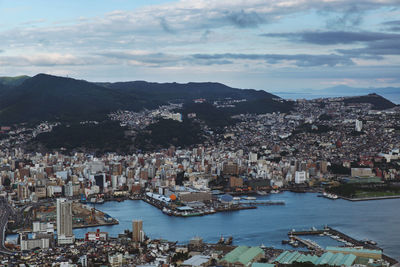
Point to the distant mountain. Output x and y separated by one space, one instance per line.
378 102
46 97
345 90
390 93
13 81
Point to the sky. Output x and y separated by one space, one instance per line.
274 45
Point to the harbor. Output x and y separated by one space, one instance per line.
266 224
227 204
348 242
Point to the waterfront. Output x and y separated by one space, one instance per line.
376 220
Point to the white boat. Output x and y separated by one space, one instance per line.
275 191
262 193
236 198
250 198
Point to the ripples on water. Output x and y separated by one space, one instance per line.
376 220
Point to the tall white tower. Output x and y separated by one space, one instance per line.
64 222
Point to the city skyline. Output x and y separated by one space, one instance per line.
274 46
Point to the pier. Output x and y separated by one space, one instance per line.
341 237
265 203
307 243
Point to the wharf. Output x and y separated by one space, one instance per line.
370 198
308 243
160 205
265 203
343 236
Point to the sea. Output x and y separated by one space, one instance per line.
377 220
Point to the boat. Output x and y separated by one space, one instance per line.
250 198
167 211
236 198
330 196
229 241
275 191
221 240
262 193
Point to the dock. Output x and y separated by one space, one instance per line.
265 203
307 243
333 232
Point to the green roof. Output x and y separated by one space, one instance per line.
329 258
243 254
257 264
353 250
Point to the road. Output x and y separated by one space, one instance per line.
5 211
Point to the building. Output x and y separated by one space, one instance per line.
235 181
253 157
40 227
40 191
362 172
137 231
328 258
95 236
300 177
242 256
23 192
231 168
28 244
64 222
115 260
197 261
365 253
359 126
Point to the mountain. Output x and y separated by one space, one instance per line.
378 102
390 93
47 97
345 90
13 81
188 91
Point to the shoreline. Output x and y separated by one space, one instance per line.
369 198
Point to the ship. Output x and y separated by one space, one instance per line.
250 198
262 193
229 241
329 196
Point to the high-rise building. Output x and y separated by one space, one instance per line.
64 222
359 125
137 231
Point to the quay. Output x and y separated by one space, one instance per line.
307 243
174 211
369 198
265 203
341 236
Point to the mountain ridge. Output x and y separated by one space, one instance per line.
48 97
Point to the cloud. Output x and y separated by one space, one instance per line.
393 25
50 59
244 19
384 47
300 60
165 26
187 17
163 60
353 16
335 37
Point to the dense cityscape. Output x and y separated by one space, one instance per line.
337 149
200 133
